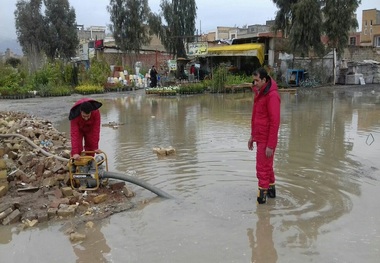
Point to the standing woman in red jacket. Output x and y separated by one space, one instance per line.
84 126
265 124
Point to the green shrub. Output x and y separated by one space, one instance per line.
97 74
9 77
89 89
219 79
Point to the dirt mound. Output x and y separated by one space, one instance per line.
34 177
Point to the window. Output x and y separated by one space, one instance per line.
365 22
371 23
377 42
365 31
353 41
232 36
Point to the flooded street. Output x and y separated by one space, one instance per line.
326 164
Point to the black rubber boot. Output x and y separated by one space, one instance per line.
272 191
262 196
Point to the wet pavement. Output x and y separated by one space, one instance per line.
327 181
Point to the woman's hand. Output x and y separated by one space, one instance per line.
268 152
250 144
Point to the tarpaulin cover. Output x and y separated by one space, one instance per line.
251 49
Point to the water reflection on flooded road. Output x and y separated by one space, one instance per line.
327 179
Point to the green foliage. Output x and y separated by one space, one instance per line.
179 24
89 89
193 88
301 20
61 40
14 62
306 30
9 77
47 90
128 18
50 75
219 79
238 79
97 74
54 34
13 91
339 21
30 30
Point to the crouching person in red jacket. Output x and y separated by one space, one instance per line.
84 126
265 124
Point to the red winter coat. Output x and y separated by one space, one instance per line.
265 120
87 130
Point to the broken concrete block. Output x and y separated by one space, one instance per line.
66 211
3 174
52 212
3 164
67 191
14 217
5 213
100 198
75 237
3 190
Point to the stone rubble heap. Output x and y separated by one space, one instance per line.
35 188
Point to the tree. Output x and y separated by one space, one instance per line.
304 21
306 32
129 19
339 21
30 30
14 62
61 40
180 17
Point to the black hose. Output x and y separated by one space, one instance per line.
139 182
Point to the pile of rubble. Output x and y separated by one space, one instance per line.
35 186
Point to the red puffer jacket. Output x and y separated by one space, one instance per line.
265 120
87 130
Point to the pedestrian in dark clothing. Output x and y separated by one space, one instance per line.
153 77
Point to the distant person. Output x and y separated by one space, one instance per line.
192 73
84 126
265 123
153 77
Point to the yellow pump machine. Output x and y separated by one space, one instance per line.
86 173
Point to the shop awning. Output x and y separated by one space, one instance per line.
251 49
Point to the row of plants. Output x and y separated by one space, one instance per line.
189 88
163 91
18 81
89 89
62 79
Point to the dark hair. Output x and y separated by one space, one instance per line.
86 107
262 73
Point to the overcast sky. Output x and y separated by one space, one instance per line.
210 13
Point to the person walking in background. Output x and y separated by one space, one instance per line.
153 77
192 73
84 126
265 124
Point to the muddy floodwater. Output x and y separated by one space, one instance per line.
328 182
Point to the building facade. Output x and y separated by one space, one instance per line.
370 34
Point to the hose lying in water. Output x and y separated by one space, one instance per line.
106 174
136 181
